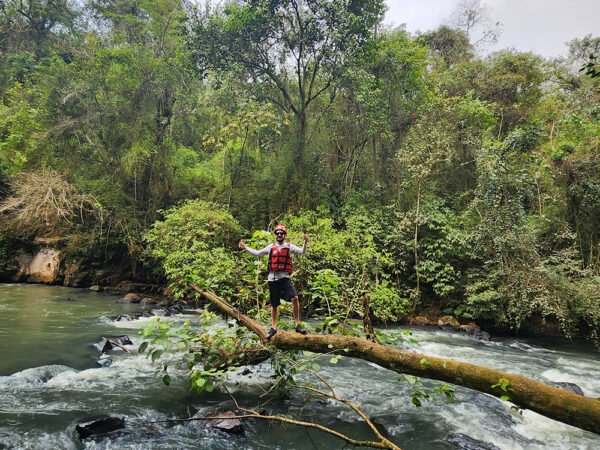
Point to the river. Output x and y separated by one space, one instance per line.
50 380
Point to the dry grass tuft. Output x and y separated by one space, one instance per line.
45 203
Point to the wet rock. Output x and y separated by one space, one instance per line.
22 261
420 320
161 312
176 308
41 374
494 407
130 286
149 301
76 273
470 328
45 266
123 318
122 340
132 297
226 422
99 425
104 362
482 336
106 344
464 442
445 322
103 345
42 265
475 332
572 387
378 423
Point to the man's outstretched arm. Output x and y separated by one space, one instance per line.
298 250
263 252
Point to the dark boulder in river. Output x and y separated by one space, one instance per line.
99 425
150 301
482 336
132 297
464 442
122 340
123 318
494 407
103 346
104 362
161 312
107 344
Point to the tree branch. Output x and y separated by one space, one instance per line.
552 402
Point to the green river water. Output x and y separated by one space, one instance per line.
50 380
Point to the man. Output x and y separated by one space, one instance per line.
280 269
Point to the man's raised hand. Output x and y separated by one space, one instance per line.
242 245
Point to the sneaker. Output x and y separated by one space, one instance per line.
271 333
300 330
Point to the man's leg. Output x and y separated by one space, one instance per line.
296 310
274 316
296 313
274 295
292 294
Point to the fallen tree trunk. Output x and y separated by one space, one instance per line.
555 403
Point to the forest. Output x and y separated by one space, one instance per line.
431 177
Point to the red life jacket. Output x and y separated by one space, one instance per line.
280 259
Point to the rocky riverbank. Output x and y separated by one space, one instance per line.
47 261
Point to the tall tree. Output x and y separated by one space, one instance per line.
295 49
26 25
29 31
105 115
474 18
452 45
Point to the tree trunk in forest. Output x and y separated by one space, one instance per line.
416 243
299 158
552 402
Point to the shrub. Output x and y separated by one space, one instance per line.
556 289
195 242
386 303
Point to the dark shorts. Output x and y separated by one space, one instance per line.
281 289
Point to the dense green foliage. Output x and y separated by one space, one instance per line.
425 176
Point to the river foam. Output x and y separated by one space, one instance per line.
40 406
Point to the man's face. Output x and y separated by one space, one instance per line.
279 236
